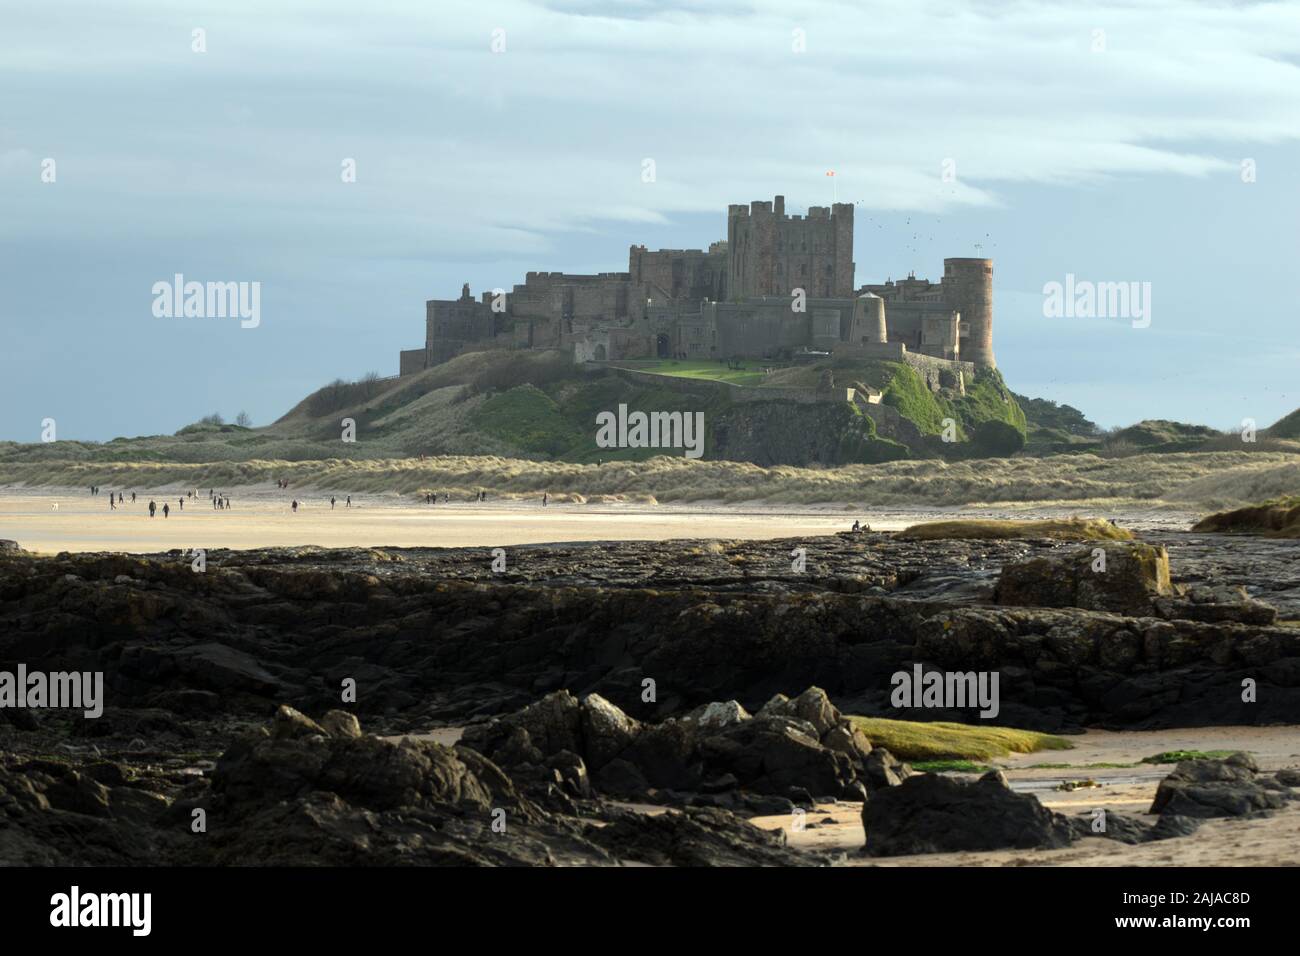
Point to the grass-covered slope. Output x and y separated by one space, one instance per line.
940 740
1061 529
1286 427
1279 518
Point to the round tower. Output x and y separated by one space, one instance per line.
869 319
968 288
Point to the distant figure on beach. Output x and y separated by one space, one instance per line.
119 497
181 502
112 503
545 496
295 505
133 497
857 526
227 501
152 508
349 504
331 502
166 509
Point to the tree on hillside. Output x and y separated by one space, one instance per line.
213 419
243 420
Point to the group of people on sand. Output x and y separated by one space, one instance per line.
431 497
859 526
220 502
283 483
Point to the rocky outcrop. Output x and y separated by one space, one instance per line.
300 792
1232 787
933 813
796 749
434 637
1124 577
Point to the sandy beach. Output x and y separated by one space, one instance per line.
54 520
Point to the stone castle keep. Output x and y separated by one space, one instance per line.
779 287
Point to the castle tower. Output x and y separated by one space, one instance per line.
968 288
771 253
869 320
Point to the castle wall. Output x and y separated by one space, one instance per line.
411 361
681 274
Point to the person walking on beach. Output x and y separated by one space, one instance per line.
112 503
166 509
227 501
181 502
295 505
152 507
331 502
133 497
545 496
349 501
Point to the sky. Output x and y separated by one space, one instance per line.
1147 142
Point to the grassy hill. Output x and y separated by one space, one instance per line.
539 406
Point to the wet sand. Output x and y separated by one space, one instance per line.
261 517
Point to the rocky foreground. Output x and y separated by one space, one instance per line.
594 680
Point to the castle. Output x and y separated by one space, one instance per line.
779 287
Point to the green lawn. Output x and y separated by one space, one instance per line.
700 369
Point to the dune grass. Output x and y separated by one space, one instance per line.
1203 481
1279 518
1062 529
939 740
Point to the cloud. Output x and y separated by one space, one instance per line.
551 133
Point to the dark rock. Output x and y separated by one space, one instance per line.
882 769
1135 574
696 837
931 813
1215 788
